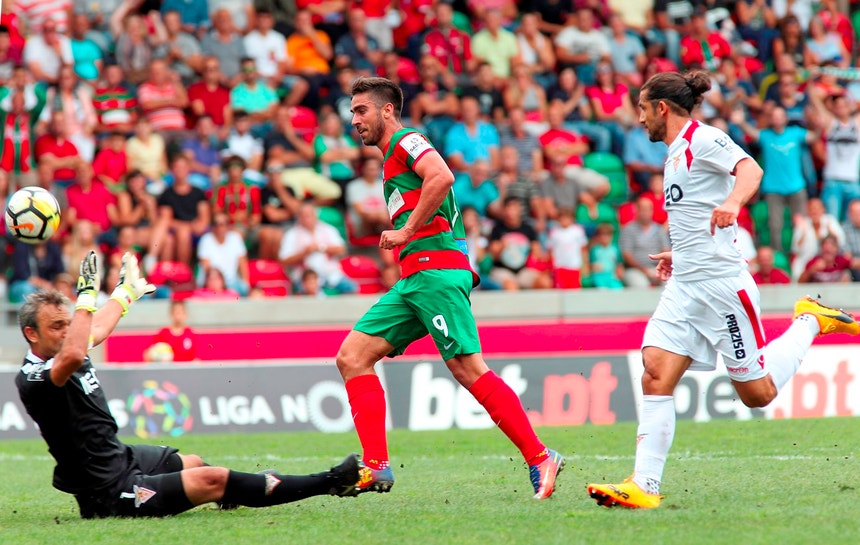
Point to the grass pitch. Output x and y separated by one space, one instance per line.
768 482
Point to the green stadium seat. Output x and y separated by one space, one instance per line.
781 261
762 235
333 217
605 214
611 166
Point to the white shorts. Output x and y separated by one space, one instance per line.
710 317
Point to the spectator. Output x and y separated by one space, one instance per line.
214 287
809 230
111 163
241 13
80 242
767 272
475 188
210 97
76 102
193 14
358 49
163 98
311 52
282 147
114 103
516 251
183 217
57 155
223 249
268 48
46 52
640 239
381 18
335 152
605 261
566 186
829 266
89 199
416 15
239 201
11 55
244 144
254 97
536 50
181 51
569 95
524 92
312 244
310 284
559 142
134 44
435 106
34 267
497 46
851 227
757 24
611 104
137 208
98 18
471 139
278 208
202 151
450 46
489 97
476 242
514 135
568 248
224 44
480 9
783 183
367 211
627 52
581 46
86 54
825 47
146 151
181 338
18 159
125 243
790 40
339 98
841 124
513 182
703 47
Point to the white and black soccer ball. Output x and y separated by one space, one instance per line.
32 215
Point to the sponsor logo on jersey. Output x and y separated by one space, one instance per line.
415 144
673 194
89 382
737 338
142 495
395 202
676 160
34 371
738 370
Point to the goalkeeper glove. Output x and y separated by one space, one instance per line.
131 286
88 283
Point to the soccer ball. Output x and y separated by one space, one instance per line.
159 352
32 215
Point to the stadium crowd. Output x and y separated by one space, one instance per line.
213 137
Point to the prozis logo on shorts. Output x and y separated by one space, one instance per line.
737 338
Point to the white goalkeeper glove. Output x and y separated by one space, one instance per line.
88 283
132 286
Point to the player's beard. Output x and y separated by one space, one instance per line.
374 132
656 129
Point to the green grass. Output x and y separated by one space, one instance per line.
731 482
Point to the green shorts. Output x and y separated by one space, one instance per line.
432 301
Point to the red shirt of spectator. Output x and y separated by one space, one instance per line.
609 100
109 165
375 9
414 14
704 52
13 22
561 137
214 100
451 46
184 344
49 144
91 200
239 200
775 276
16 156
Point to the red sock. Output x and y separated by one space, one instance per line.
367 401
506 410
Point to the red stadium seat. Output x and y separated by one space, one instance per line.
268 276
364 271
170 273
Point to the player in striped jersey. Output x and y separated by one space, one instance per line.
432 295
710 305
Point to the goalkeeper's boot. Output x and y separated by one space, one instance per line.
627 494
344 476
543 475
830 320
373 480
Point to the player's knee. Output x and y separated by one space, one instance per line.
212 479
758 400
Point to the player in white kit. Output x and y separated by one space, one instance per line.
710 304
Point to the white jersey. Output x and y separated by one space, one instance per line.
698 177
843 152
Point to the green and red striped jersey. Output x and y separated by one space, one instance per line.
441 242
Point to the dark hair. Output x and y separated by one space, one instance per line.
509 199
383 90
29 311
682 92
